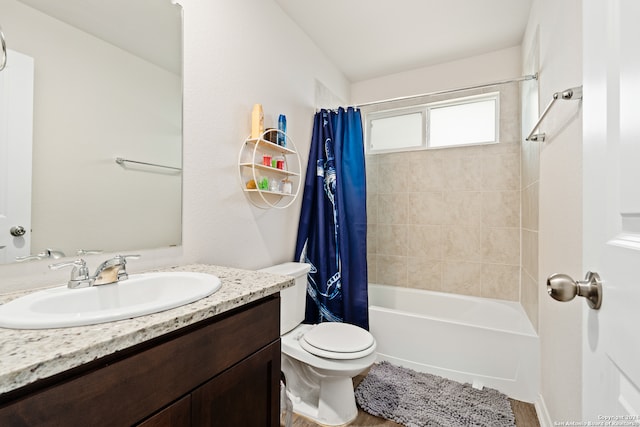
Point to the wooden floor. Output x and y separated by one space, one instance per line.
525 414
525 417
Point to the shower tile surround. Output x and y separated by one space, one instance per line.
530 179
530 205
449 219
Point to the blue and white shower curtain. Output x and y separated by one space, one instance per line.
332 234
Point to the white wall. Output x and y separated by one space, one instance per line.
560 230
480 69
236 53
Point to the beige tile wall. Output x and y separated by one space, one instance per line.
530 155
449 219
530 205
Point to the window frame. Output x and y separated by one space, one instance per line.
396 112
425 110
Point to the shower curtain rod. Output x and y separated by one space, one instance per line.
441 92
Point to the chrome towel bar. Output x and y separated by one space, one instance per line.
120 161
569 94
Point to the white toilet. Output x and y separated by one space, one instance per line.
319 361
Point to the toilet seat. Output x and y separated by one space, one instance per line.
340 341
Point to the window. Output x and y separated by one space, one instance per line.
391 130
461 121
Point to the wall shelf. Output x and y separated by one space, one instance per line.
275 193
270 146
251 168
269 169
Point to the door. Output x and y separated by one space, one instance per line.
16 123
611 209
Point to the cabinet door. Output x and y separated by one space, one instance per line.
175 415
246 395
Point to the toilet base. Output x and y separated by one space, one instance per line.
326 399
336 405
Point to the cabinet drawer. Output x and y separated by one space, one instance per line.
127 390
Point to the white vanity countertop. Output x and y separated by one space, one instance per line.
29 355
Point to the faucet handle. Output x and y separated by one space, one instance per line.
122 273
78 263
79 274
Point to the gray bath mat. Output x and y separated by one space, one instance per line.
417 399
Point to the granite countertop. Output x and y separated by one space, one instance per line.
29 355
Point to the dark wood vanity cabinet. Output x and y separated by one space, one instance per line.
224 371
177 414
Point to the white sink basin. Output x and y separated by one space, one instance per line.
139 295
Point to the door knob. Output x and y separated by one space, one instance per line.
562 287
17 231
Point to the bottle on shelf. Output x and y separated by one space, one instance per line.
271 135
285 186
263 184
257 121
282 127
273 185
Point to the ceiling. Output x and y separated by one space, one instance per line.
364 38
372 38
150 29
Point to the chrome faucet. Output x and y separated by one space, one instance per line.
113 270
110 271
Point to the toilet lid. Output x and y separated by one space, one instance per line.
338 341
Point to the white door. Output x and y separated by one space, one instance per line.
16 123
611 209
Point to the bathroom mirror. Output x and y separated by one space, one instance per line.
107 84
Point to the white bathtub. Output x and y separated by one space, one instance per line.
482 341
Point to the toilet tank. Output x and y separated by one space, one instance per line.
292 299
